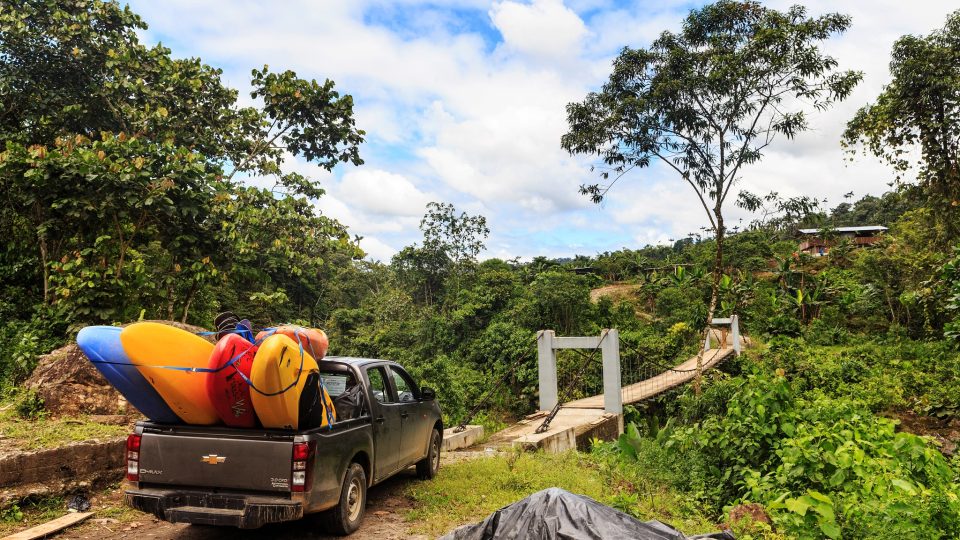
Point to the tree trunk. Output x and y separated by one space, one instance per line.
46 271
714 296
186 307
170 301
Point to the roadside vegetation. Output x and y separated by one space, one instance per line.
841 422
25 425
470 490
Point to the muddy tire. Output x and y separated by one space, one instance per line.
346 517
427 467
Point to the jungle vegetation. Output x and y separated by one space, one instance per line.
126 187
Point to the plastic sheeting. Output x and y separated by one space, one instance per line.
558 514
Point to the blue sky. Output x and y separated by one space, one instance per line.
463 101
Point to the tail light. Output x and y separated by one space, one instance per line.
301 468
133 458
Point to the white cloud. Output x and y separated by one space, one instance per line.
467 105
382 193
544 29
377 250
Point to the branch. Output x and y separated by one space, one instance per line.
686 176
258 147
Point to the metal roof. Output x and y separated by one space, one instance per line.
865 228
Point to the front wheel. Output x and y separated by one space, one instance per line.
345 518
427 467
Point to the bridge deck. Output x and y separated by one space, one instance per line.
578 420
657 385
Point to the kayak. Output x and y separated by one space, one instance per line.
166 356
314 340
226 387
279 376
101 345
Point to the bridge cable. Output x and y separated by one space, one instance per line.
476 408
576 380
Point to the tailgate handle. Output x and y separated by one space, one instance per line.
404 415
378 420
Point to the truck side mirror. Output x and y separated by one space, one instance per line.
428 394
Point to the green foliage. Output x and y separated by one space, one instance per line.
951 274
117 167
29 405
817 463
467 491
914 123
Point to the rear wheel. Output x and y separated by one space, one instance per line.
345 518
427 467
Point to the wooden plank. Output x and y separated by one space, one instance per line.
50 527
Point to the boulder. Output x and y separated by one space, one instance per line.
70 385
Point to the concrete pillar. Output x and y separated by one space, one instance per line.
735 330
547 369
706 342
612 396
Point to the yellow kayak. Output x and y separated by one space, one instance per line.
279 369
151 345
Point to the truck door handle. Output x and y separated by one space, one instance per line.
378 419
404 415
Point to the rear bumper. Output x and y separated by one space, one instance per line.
203 508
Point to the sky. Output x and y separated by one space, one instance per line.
463 101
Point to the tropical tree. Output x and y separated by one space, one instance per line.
118 165
451 243
914 125
710 99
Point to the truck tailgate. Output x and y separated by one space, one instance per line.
217 462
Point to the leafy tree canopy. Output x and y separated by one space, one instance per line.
119 164
710 99
914 125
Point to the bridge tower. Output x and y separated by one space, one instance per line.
609 344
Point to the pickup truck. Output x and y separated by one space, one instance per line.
216 475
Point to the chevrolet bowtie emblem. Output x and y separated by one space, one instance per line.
213 459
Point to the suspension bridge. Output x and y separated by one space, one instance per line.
582 398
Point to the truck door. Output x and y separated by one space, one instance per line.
413 417
386 423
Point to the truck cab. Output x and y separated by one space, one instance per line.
216 475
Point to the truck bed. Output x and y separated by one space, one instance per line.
242 477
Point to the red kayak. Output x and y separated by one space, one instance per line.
227 390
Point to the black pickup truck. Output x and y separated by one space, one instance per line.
249 477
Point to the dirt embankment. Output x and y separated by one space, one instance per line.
618 292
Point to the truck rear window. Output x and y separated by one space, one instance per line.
336 383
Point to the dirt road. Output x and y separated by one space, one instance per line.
386 506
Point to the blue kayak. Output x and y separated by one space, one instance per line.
102 346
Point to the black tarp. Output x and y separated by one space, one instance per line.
556 514
349 404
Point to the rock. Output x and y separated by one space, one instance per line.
70 385
752 512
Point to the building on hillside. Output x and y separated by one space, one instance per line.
812 243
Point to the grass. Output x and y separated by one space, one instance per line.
106 504
468 491
29 513
35 430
